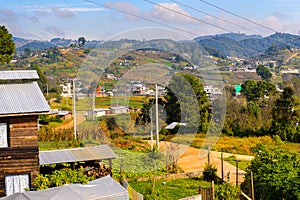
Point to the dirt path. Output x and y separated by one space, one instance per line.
193 159
80 118
292 56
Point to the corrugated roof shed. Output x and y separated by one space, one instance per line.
22 98
100 152
19 75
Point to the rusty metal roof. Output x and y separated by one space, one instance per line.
19 75
21 98
100 152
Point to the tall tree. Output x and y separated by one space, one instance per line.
7 46
286 117
186 101
81 41
264 72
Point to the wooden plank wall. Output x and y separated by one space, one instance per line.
22 155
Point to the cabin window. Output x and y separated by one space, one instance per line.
3 135
16 183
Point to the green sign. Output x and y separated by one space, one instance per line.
238 88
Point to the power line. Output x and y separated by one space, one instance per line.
239 16
188 16
219 18
199 20
172 27
278 40
141 17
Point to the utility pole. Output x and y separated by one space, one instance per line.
237 173
222 165
93 111
208 156
151 129
47 89
156 116
252 186
74 109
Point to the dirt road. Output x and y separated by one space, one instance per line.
193 159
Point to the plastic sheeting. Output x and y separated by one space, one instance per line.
104 188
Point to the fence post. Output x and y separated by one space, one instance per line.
213 190
252 186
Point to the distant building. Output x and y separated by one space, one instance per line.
212 92
99 112
66 90
119 110
111 76
289 71
64 114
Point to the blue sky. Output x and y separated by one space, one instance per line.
40 19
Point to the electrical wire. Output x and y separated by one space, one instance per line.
188 16
219 18
244 18
191 17
172 27
239 16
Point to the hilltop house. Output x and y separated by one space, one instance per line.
21 101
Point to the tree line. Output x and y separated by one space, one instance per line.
261 109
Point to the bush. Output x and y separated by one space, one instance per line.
210 173
227 191
60 177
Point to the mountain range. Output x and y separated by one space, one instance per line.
221 45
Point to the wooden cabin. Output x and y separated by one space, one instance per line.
21 101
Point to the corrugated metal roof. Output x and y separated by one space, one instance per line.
19 75
76 155
22 98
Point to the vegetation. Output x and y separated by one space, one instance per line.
243 164
170 189
265 112
210 173
183 102
226 191
264 72
286 117
276 174
7 46
60 177
260 115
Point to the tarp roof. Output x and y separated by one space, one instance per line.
174 124
100 152
104 188
22 98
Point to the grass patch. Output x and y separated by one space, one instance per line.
173 189
243 164
137 164
53 145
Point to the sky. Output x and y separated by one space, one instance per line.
102 20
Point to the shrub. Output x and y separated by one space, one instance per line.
210 172
227 191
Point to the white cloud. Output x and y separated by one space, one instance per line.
164 12
84 9
8 15
126 7
55 30
62 12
